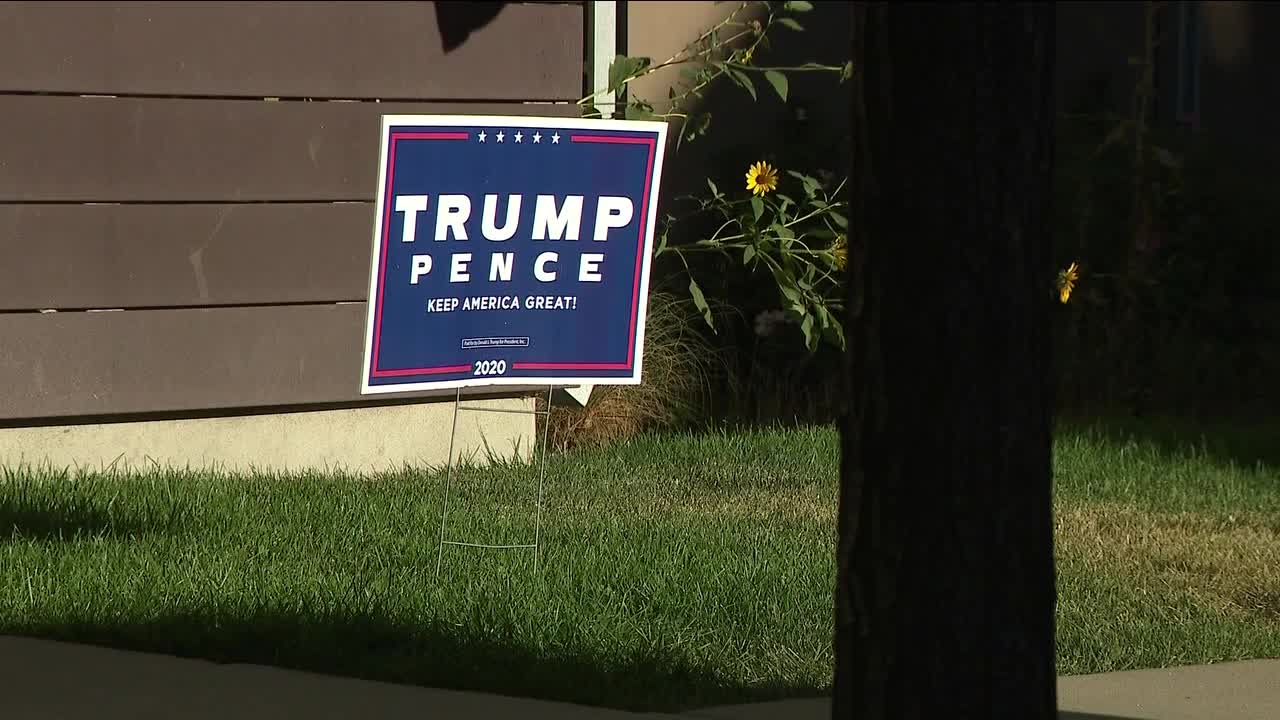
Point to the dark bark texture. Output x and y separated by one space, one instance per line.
946 586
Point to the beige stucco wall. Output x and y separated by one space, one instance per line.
659 30
742 130
357 440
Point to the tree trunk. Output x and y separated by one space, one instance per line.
946 585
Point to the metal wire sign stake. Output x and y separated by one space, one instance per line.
510 253
542 475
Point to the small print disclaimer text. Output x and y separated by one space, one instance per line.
494 342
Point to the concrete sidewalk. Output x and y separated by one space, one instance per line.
43 680
1228 691
50 680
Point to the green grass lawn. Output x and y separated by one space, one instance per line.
676 572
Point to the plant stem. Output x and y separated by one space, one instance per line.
786 68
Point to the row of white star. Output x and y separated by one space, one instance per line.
519 136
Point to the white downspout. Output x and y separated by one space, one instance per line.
604 47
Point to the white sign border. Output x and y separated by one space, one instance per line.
503 121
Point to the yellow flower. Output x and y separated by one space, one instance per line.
1067 281
762 178
747 55
840 251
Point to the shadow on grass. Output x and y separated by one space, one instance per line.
1063 715
428 655
1242 442
23 520
820 707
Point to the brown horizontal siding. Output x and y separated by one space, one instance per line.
160 149
388 50
126 256
228 226
139 361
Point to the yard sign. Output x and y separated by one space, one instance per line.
510 251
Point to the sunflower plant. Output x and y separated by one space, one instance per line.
789 224
794 229
1067 280
728 50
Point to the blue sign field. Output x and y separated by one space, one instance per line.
511 251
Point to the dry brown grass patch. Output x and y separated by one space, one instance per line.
1230 563
677 363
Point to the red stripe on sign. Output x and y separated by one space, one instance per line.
382 269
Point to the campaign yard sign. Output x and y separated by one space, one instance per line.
510 251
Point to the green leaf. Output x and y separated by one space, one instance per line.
839 219
743 80
784 202
824 317
695 292
714 190
778 81
782 231
624 68
811 184
694 126
703 123
806 327
757 206
638 111
662 244
790 293
798 6
701 303
836 331
791 23
748 253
